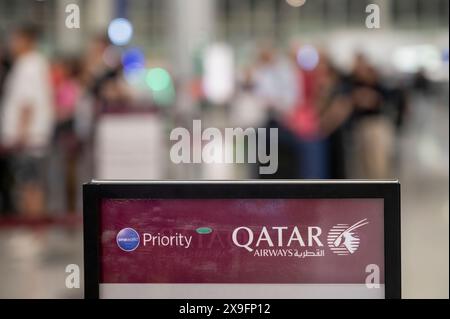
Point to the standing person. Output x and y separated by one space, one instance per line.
304 122
359 107
274 84
373 131
335 109
99 66
5 66
5 172
27 119
65 149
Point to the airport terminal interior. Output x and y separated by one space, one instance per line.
352 98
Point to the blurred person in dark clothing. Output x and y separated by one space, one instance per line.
93 73
102 74
27 120
5 66
100 91
6 177
380 108
334 108
64 153
421 83
373 130
361 113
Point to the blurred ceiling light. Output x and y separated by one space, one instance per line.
158 79
120 31
308 57
218 77
133 58
135 77
296 3
133 61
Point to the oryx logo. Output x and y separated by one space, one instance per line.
343 239
128 239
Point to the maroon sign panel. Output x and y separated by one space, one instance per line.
296 241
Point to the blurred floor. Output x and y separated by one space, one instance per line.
424 174
32 264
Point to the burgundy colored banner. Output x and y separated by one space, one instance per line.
309 241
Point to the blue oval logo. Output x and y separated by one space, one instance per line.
128 239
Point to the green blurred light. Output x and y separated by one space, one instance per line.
204 230
164 97
158 79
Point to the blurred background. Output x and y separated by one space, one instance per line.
99 101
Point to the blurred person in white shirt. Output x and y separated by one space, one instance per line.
26 122
275 86
274 79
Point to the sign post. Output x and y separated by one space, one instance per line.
247 239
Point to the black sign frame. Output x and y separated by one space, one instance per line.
94 192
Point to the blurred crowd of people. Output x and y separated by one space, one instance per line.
48 108
332 124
